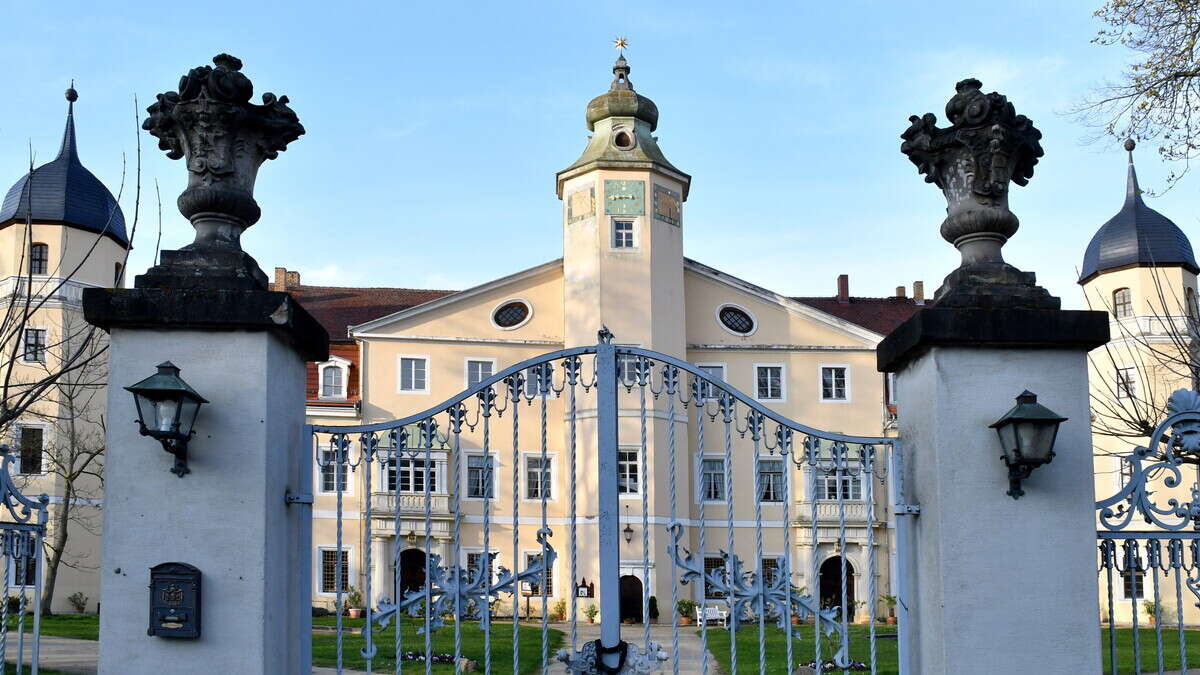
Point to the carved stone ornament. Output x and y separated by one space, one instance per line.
987 146
225 138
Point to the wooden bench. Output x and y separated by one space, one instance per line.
707 615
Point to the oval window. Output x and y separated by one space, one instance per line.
623 140
511 314
736 320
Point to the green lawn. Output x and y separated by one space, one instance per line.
81 626
802 648
530 645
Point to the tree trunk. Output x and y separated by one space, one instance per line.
58 544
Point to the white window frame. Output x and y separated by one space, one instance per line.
635 226
340 364
39 557
1121 392
1119 581
641 477
498 305
45 346
400 374
786 478
821 382
468 550
753 319
783 375
318 479
467 369
318 570
820 483
531 381
525 553
724 374
552 482
437 459
466 472
700 497
16 444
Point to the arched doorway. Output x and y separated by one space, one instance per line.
412 570
631 598
831 585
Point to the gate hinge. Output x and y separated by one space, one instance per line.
907 509
294 498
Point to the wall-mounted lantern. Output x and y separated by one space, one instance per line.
1027 434
167 408
628 531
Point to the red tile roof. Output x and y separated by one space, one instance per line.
881 315
338 308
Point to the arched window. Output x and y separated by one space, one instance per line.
332 385
1122 303
39 258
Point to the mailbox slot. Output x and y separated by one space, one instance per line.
174 601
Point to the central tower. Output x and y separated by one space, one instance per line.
623 227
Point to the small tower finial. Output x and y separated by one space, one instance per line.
72 95
1132 189
621 43
1130 144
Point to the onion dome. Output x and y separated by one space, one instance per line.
64 191
1138 236
621 100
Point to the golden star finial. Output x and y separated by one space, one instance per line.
621 43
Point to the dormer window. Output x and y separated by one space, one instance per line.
1122 303
334 374
39 258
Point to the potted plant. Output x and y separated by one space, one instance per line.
1151 608
890 601
78 602
354 603
686 609
590 612
560 611
653 609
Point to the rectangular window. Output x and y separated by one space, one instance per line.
532 386
712 480
478 371
770 480
329 571
1126 383
833 383
35 345
627 368
413 374
716 372
1133 584
827 487
332 382
537 477
480 473
39 258
331 480
769 383
534 585
24 571
622 234
477 561
408 475
32 441
715 566
627 472
770 570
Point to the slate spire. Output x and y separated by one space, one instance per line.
68 148
1132 191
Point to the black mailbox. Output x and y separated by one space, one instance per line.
174 600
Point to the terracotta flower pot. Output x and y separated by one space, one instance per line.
685 621
356 613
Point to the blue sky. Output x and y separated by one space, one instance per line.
434 130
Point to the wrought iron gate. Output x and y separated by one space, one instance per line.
441 470
1143 571
22 528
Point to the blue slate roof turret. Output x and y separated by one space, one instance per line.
64 191
1137 236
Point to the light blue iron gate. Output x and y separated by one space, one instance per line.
1165 556
610 387
22 528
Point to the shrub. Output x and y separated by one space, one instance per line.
320 611
560 611
14 604
685 607
354 599
653 608
591 611
78 601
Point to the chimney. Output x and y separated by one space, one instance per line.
843 288
919 292
293 279
899 291
280 283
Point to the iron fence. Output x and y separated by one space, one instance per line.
634 428
22 529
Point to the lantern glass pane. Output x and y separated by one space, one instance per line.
1036 438
1008 441
189 408
167 415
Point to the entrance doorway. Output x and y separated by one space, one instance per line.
831 585
631 598
412 571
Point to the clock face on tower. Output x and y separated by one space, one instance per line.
666 205
581 204
624 197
